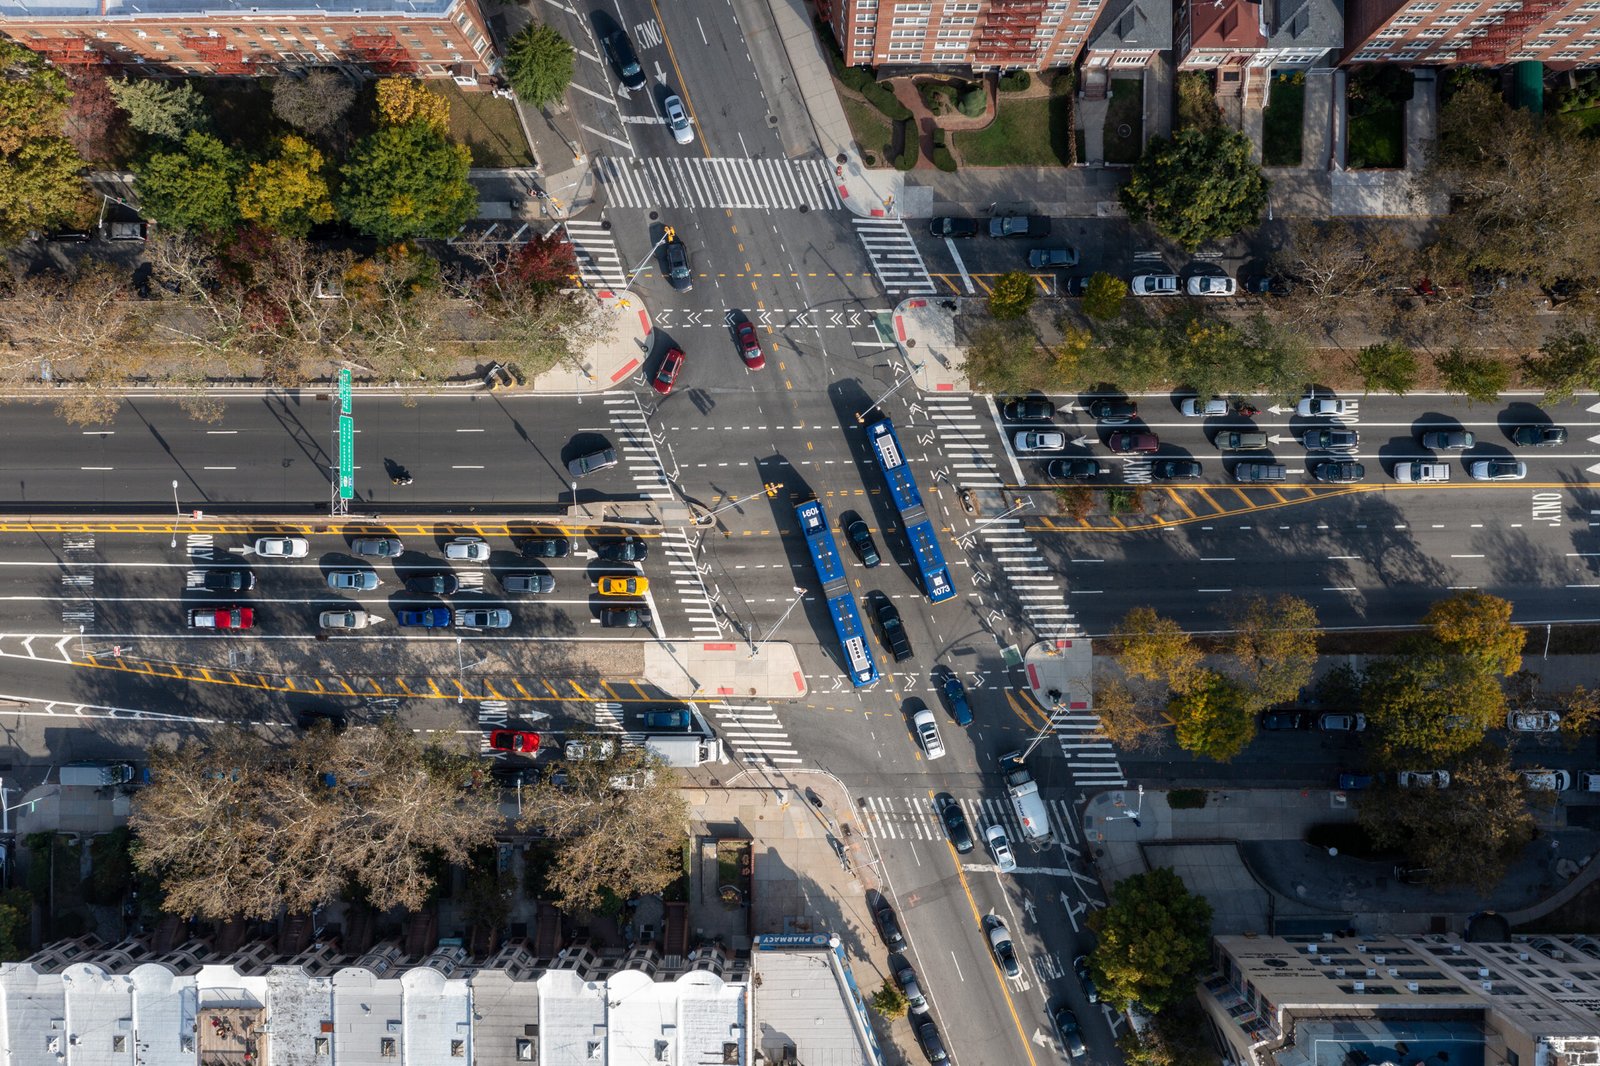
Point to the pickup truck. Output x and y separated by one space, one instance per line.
894 631
1419 472
222 618
1019 226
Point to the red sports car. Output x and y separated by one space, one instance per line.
749 346
667 376
514 740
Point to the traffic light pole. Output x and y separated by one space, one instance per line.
770 490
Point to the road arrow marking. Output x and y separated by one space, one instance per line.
1278 439
1275 409
1082 438
661 75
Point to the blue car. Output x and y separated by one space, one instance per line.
426 618
677 719
955 694
1350 782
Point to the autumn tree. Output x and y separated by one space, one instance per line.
1212 716
1469 832
1199 186
1153 941
540 320
1477 626
40 186
1156 649
1275 645
618 822
1104 296
1386 367
405 181
314 104
95 124
1429 704
80 328
193 186
1480 378
1580 713
402 101
1130 716
397 302
998 357
1012 295
1566 363
539 64
289 192
889 1001
236 825
161 108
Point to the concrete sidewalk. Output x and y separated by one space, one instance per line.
925 331
620 349
699 669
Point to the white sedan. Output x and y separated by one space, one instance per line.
1497 470
1533 721
928 733
1000 848
1322 407
1211 285
282 547
1195 407
468 550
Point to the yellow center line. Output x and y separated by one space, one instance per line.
683 86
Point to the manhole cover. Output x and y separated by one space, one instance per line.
1124 130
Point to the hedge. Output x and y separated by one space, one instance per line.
912 150
972 102
941 155
1015 82
882 98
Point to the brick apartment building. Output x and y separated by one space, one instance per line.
980 34
424 38
1561 33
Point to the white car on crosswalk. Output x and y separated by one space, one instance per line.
1000 848
928 733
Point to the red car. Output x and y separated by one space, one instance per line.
749 347
667 376
513 740
222 618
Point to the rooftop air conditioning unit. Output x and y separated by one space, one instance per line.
1483 971
1361 986
1338 971
1411 986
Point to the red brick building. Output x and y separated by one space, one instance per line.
976 34
426 39
1562 33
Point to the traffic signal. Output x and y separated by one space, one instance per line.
772 488
670 233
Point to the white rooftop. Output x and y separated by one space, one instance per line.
806 999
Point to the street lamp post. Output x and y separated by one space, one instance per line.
177 512
769 491
861 414
1133 815
799 594
5 811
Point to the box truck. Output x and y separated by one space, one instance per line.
96 774
685 750
1025 800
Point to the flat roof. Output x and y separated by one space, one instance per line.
298 10
806 1000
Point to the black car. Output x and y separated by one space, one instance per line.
932 1043
546 548
229 580
1080 967
1267 284
1277 720
1342 473
312 717
1113 412
889 926
623 58
1545 436
860 538
948 226
1072 469
1074 286
626 550
955 823
439 584
1069 1032
1028 409
1175 470
625 618
678 273
1332 440
894 630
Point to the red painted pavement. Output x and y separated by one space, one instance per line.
624 372
944 386
723 690
844 193
1078 705
916 303
644 320
1033 676
900 326
717 647
799 681
606 294
878 212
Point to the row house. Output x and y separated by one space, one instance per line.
1243 40
975 34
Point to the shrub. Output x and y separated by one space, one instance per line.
857 78
909 155
941 155
1015 82
972 102
1186 799
882 97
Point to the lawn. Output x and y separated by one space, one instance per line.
487 124
1283 123
1032 132
1124 131
1377 111
870 128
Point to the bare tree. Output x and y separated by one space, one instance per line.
539 320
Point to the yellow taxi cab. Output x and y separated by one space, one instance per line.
624 586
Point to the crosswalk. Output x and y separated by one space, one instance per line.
778 184
754 733
914 818
690 584
636 447
964 438
894 256
599 262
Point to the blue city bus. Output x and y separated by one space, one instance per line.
919 527
858 660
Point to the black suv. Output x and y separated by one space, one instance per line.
546 548
955 823
229 580
861 540
1072 469
1113 412
678 273
1175 470
434 584
626 550
1028 409
894 631
947 226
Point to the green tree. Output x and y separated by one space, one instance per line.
192 188
1001 358
1386 367
1156 649
1199 186
1566 363
1012 295
315 103
1580 711
1154 940
1175 1037
1483 814
1477 627
539 64
889 1001
40 185
1429 704
407 181
1104 296
167 109
1213 716
1275 644
289 192
16 908
1477 377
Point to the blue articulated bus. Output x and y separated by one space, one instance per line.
919 527
836 590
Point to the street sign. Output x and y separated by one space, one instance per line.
347 457
344 392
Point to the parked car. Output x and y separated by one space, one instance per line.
1331 440
667 375
1352 780
1039 440
1046 258
1019 226
353 580
1080 968
588 748
631 585
1421 473
282 547
346 619
1345 472
1028 409
1005 952
1497 470
906 978
889 927
434 584
1412 874
679 275
546 548
1154 285
1074 286
526 581
467 550
1323 407
1176 470
1342 723
1546 780
1133 442
514 740
932 1044
229 581
1423 778
1449 440
678 119
424 618
1539 436
378 547
1260 473
1068 1031
1211 285
592 462
1199 407
1000 848
1113 412
950 226
1241 440
483 618
1533 721
955 822
1072 469
672 719
1267 284
860 538
955 697
744 335
1274 721
893 630
625 618
627 550
928 734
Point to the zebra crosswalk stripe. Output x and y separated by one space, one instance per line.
719 182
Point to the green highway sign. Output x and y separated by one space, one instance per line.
347 457
344 392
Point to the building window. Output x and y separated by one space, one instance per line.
866 43
913 9
1463 8
1447 20
1422 8
909 22
1406 20
905 33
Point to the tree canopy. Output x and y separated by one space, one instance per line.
1566 363
1156 648
289 192
539 64
165 109
192 188
1213 716
1477 626
40 185
1199 186
1275 646
315 103
1386 367
405 100
1428 704
407 181
1012 295
1154 939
